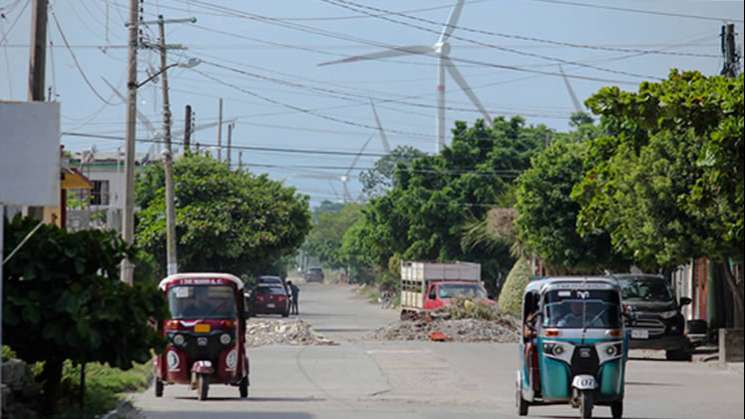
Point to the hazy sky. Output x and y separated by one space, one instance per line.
262 57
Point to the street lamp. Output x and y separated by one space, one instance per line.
127 271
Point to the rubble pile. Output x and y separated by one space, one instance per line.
262 332
503 330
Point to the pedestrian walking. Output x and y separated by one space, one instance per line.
294 293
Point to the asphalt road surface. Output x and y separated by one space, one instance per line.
398 380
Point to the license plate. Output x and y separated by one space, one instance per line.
270 306
202 328
640 334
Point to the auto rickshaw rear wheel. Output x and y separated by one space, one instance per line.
203 386
243 387
616 409
158 387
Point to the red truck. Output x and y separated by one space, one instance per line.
426 286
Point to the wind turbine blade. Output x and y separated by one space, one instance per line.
455 74
393 52
452 21
145 121
381 131
577 105
357 157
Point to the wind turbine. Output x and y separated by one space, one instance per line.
577 105
381 131
346 176
440 50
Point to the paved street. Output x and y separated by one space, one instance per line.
362 379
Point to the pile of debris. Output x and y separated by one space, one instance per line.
502 330
262 332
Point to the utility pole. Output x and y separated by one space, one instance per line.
230 141
37 62
219 132
171 261
729 50
187 130
128 215
240 160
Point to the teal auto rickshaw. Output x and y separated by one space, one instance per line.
574 346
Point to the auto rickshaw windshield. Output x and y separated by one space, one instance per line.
202 302
582 309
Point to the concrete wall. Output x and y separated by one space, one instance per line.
730 345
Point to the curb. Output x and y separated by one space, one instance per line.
124 410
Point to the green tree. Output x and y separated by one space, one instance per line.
63 300
378 180
547 215
425 213
226 221
329 225
666 182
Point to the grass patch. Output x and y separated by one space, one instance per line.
104 387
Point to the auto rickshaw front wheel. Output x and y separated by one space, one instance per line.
158 387
616 409
586 403
203 386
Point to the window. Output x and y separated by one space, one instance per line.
100 192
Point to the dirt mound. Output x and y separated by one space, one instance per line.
262 332
503 330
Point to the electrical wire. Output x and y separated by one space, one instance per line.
345 4
77 63
647 12
521 37
13 25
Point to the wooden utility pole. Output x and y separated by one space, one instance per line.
230 142
187 130
37 62
128 215
219 132
171 264
730 54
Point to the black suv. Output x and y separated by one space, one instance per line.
314 275
654 315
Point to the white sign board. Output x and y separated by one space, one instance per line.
29 153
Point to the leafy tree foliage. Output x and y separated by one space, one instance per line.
424 215
547 215
378 180
330 222
63 300
227 221
666 182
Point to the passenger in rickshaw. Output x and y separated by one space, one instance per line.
530 333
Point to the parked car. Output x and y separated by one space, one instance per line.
314 274
271 280
269 299
654 315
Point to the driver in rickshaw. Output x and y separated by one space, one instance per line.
574 318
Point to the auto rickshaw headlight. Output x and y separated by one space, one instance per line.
179 340
225 339
558 350
611 350
554 349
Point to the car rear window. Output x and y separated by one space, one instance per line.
271 290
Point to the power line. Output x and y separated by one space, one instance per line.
13 25
647 12
497 173
521 37
346 5
77 63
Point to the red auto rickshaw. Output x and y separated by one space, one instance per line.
206 333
